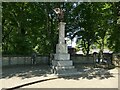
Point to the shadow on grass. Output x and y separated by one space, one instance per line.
88 72
25 71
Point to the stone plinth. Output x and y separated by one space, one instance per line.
61 63
62 56
61 48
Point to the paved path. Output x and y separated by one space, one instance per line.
40 77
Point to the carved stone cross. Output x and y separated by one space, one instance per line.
60 14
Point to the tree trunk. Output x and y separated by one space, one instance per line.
88 47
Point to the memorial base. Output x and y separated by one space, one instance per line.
62 65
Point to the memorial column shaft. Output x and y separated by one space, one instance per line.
61 32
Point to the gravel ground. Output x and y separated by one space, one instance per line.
39 76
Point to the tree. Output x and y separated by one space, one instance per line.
84 15
114 39
28 27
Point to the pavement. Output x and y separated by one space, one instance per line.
40 76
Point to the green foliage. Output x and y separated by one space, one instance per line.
33 26
27 25
98 21
114 37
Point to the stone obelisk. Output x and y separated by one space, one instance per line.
62 63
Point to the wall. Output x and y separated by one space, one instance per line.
20 60
116 59
80 59
26 60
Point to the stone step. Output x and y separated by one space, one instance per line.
62 63
67 71
64 67
69 74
